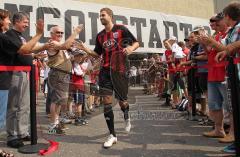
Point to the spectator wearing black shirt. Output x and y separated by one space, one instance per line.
18 98
8 52
113 43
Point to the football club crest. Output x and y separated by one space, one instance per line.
115 35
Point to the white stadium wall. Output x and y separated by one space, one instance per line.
150 27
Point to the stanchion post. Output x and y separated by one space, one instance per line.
234 86
193 83
33 112
34 147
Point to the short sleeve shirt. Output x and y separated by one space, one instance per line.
233 36
111 44
17 38
8 52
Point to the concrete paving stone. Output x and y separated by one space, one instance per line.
156 132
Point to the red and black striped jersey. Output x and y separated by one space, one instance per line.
111 44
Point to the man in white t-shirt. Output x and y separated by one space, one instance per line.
177 57
133 74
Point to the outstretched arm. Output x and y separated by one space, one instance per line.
83 47
69 42
209 41
39 48
27 48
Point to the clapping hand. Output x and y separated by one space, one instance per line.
39 26
220 56
78 29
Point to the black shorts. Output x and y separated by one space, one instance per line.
94 89
177 80
200 83
202 77
113 81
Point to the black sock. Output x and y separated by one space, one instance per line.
125 112
109 117
83 110
168 100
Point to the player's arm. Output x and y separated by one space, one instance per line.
130 49
83 47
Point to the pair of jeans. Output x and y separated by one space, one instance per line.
3 108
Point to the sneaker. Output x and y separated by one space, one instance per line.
91 110
88 112
5 154
26 138
213 134
110 141
230 149
16 143
62 126
56 130
85 121
128 125
71 115
80 122
227 139
65 120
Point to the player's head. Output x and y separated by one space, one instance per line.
106 16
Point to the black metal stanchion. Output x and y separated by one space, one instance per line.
193 90
34 147
234 86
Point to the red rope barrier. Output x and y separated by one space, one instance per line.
207 66
15 68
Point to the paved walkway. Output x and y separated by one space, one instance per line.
157 132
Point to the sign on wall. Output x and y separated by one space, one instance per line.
150 28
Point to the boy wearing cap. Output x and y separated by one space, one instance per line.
176 57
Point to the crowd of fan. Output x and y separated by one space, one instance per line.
198 66
167 75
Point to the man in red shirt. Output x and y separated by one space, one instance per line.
185 49
216 76
167 58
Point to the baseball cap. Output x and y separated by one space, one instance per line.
212 19
197 28
219 16
173 38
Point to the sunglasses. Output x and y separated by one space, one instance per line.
58 32
211 20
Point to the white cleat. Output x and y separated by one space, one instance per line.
128 125
110 141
